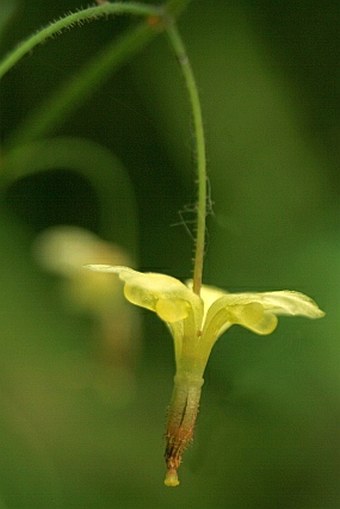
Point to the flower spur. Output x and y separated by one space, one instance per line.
195 323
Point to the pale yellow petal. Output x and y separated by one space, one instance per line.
253 317
288 302
284 302
209 294
172 310
167 296
255 311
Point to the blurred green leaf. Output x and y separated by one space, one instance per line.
8 8
95 163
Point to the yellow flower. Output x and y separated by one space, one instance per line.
196 322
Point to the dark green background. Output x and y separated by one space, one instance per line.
268 430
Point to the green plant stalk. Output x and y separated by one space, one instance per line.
179 48
71 20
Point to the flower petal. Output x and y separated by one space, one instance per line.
209 294
288 302
165 295
172 310
284 302
255 311
253 317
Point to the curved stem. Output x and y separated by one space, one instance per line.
179 48
72 20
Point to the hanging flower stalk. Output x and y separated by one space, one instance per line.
197 315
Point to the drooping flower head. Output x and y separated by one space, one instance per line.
195 323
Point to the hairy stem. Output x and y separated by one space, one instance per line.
179 48
70 21
181 423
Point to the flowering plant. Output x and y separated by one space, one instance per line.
196 315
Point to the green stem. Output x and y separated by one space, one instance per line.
179 48
70 21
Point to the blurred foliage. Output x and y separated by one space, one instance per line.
121 166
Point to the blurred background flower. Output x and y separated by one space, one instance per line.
65 250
